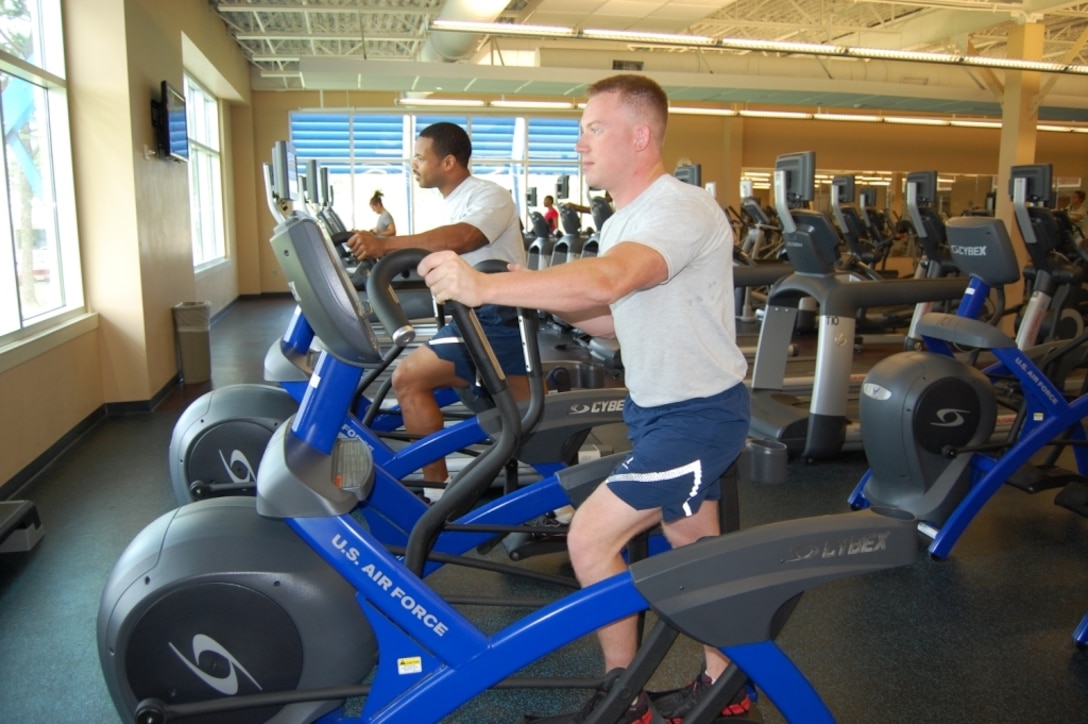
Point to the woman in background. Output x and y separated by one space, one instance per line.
385 226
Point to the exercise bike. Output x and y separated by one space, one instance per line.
274 607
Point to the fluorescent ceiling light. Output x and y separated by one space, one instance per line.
964 123
916 121
861 117
1013 64
1054 129
909 55
565 105
795 115
457 102
769 46
696 111
647 37
774 46
467 26
1079 129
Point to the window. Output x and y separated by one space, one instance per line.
367 153
40 276
205 176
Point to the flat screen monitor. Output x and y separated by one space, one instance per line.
285 170
168 118
562 187
925 187
845 187
312 191
867 198
1040 183
530 198
323 187
691 173
800 181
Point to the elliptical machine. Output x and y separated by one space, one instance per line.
274 608
218 440
940 411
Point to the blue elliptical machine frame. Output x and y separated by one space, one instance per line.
322 592
946 497
218 434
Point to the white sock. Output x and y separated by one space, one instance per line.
434 494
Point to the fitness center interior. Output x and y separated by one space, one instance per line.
848 147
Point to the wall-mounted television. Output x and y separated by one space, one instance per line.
691 173
168 119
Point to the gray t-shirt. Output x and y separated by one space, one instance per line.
490 208
678 338
385 220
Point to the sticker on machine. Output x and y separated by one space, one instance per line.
410 665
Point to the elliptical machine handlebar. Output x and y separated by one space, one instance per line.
475 477
379 290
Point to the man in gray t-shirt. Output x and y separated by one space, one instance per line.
663 286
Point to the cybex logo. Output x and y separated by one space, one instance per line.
227 685
237 457
597 407
950 417
839 547
959 250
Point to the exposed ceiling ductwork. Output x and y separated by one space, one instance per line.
443 47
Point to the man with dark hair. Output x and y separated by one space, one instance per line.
483 224
663 286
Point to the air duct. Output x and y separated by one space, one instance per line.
447 47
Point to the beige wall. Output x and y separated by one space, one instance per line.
133 221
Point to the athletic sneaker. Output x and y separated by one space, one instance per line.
675 705
641 712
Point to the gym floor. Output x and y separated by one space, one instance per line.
983 636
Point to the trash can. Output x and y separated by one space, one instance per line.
763 461
192 327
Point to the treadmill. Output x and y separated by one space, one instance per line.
821 426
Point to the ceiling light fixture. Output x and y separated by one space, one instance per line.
916 121
1053 129
768 46
636 36
467 26
860 117
964 123
791 115
696 111
539 105
455 102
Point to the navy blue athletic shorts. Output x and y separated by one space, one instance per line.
500 324
679 450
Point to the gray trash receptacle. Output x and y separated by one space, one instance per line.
192 327
763 461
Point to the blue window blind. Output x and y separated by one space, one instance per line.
553 139
492 137
339 140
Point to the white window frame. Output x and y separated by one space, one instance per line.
207 218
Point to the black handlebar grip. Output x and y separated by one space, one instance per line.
383 299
